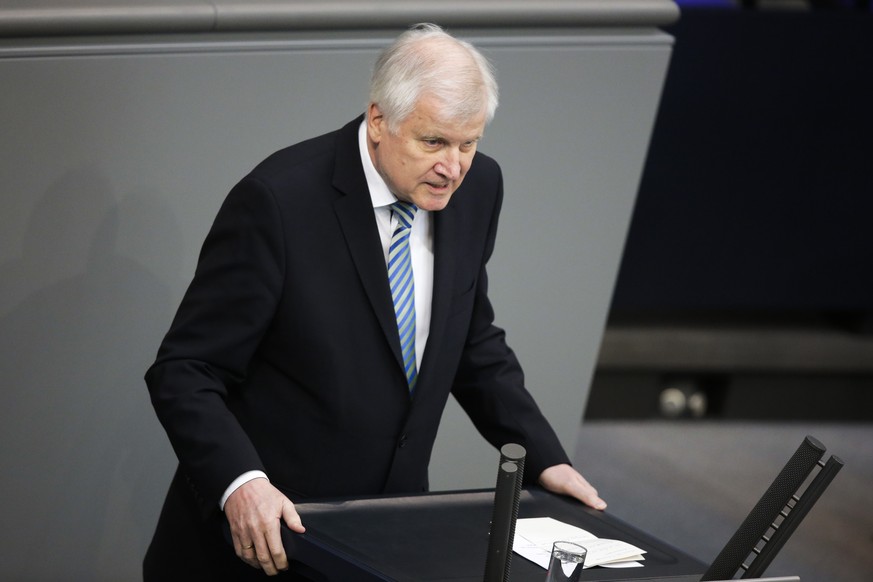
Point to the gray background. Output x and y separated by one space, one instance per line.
115 155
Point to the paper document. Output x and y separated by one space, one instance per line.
534 538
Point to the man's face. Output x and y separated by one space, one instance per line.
427 159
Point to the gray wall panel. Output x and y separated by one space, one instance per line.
113 161
71 17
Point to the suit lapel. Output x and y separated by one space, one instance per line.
354 211
445 249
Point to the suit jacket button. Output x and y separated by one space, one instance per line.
402 442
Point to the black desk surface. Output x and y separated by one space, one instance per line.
443 537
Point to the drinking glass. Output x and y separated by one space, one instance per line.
566 562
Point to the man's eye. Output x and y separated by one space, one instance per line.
432 142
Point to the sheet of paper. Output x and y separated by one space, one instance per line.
534 538
634 564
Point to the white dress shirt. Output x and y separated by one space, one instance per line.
420 241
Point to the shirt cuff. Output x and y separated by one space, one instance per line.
239 482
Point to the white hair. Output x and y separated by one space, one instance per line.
426 60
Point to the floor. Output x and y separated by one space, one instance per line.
692 483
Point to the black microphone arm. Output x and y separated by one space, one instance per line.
507 495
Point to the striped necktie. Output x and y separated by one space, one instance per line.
402 285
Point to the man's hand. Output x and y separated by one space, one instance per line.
254 512
566 480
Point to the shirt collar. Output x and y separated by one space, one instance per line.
380 195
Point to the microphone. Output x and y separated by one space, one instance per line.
507 494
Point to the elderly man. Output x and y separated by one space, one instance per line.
340 297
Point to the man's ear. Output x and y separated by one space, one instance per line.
376 124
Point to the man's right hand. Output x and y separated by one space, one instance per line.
254 512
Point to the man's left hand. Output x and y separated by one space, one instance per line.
566 480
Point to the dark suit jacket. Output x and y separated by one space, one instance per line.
284 355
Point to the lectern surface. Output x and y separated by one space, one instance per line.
443 537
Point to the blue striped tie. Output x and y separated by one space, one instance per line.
402 286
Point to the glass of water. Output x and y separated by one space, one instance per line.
566 562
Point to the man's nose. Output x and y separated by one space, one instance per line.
450 166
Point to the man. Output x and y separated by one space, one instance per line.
295 368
